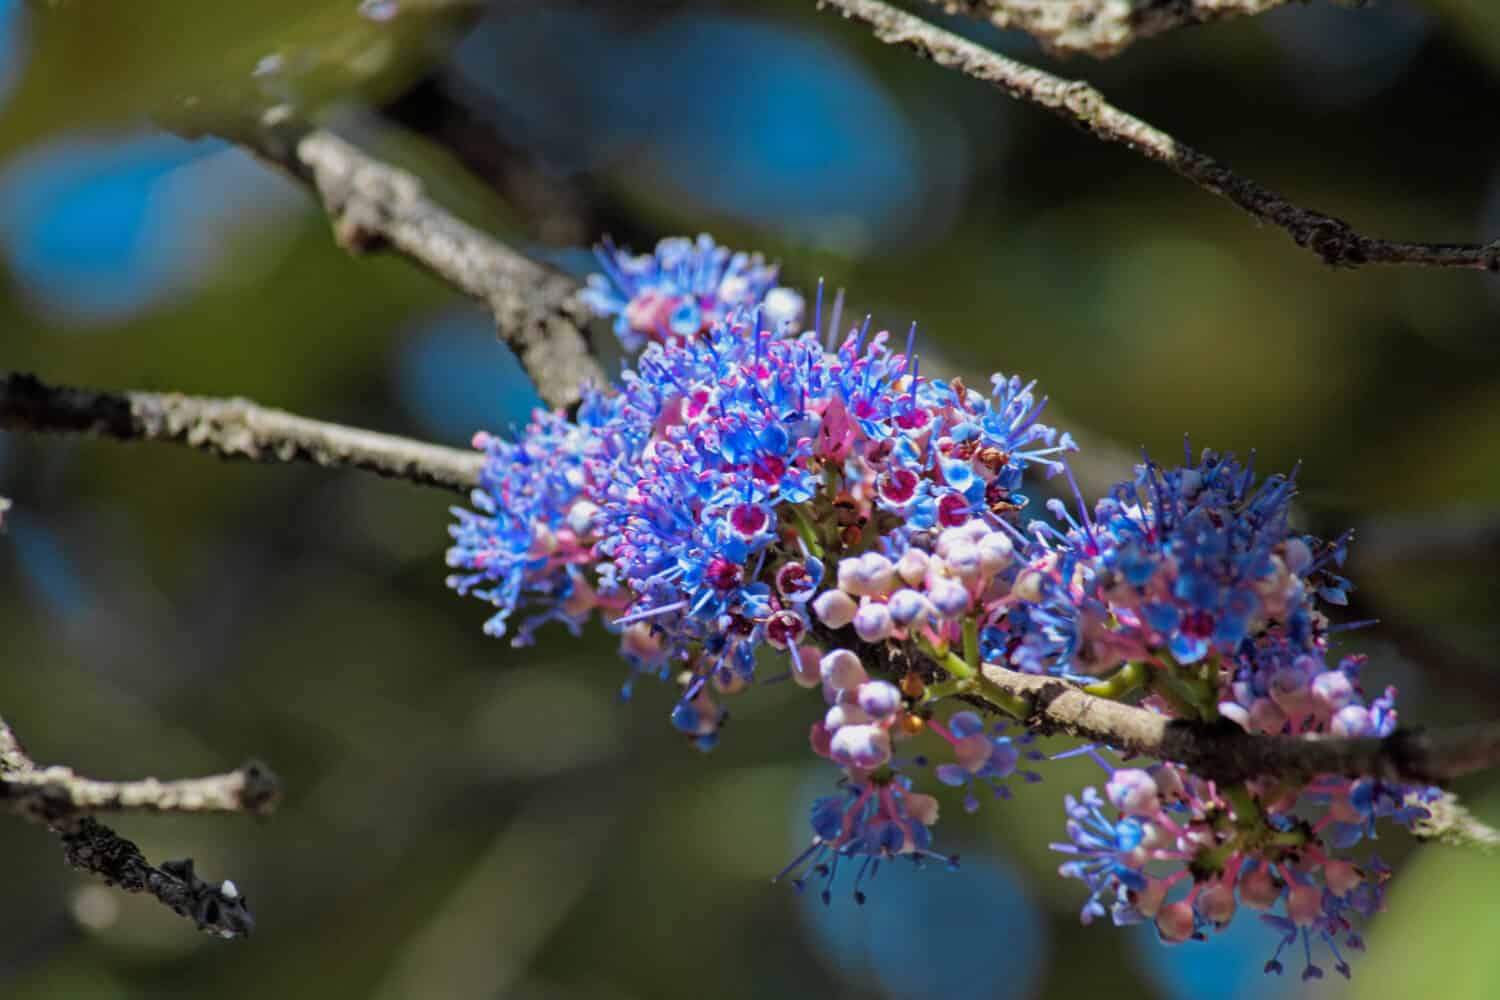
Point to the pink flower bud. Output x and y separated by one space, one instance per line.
879 571
972 752
1148 901
806 671
1028 586
1216 904
913 567
949 597
1289 690
880 699
1342 877
1343 811
820 739
908 606
923 808
1175 922
861 746
868 575
1266 716
637 642
963 560
1133 792
834 608
1331 691
850 576
1168 783
872 622
996 551
1304 904
844 714
841 670
1352 721
1259 890
968 532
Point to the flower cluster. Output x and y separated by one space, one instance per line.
748 505
1166 846
1188 587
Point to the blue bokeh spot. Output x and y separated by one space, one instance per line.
456 377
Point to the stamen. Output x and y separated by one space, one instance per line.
833 325
651 613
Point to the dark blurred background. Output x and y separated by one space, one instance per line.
468 820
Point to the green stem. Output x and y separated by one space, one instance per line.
1121 682
1215 858
971 641
946 689
1288 838
1013 705
806 530
1247 812
1201 685
1163 683
832 482
1253 832
959 667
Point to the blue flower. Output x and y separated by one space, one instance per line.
1102 848
986 759
870 823
683 289
528 536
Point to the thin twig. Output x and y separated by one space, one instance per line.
1334 240
58 794
219 909
375 206
230 428
1225 752
1101 27
64 802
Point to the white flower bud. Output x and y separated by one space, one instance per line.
912 568
873 621
834 608
841 670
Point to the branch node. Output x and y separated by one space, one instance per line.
262 788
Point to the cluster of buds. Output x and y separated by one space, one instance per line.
1166 846
933 591
764 497
856 729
